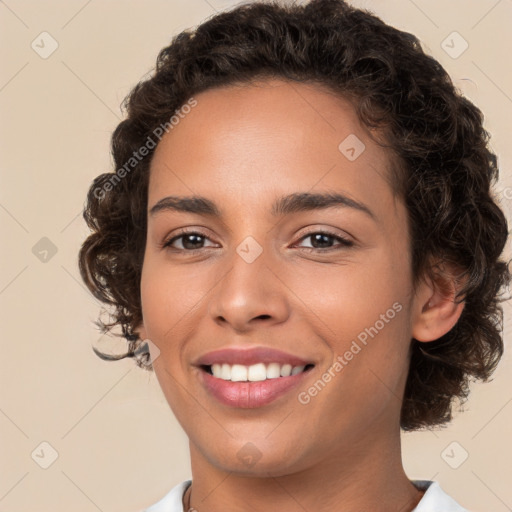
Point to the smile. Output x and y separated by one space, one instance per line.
250 377
255 373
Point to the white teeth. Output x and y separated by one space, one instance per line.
297 369
238 373
226 372
254 373
216 370
273 371
286 370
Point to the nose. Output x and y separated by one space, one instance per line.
249 295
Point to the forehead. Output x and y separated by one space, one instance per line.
246 142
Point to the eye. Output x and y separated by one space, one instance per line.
322 240
189 241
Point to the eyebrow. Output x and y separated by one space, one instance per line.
285 205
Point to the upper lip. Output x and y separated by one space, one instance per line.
250 356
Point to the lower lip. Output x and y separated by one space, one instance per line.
249 395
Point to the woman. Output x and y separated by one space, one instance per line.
301 232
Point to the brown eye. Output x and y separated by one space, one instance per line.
324 240
188 241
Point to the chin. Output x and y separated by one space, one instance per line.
258 459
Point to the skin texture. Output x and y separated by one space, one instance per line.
242 147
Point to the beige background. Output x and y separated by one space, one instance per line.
119 446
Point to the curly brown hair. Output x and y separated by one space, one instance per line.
444 174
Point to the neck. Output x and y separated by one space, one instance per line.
365 475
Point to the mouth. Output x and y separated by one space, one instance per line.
247 378
250 387
254 373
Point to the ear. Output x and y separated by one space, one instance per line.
435 308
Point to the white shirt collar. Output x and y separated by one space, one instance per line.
435 499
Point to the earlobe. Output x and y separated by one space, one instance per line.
436 309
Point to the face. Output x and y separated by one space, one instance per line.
297 256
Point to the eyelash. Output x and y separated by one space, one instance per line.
344 243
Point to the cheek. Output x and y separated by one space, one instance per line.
360 311
169 296
351 296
